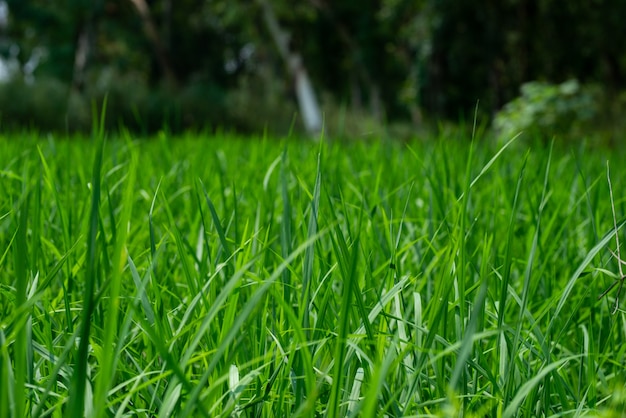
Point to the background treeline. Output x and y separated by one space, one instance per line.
219 64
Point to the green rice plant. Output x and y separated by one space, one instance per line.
253 277
619 282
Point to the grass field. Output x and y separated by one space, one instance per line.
203 277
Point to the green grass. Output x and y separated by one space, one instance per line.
222 276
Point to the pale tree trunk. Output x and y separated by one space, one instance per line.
153 36
83 45
84 21
85 28
307 102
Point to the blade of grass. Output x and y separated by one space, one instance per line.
493 159
307 269
307 276
285 230
107 368
217 223
349 283
468 338
76 406
7 402
506 268
21 283
511 366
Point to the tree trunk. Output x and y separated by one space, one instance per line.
80 58
153 36
307 102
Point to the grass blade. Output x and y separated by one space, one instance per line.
109 361
76 407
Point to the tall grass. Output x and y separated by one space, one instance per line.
250 277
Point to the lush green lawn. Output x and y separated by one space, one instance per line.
220 276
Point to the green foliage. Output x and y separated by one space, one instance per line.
258 103
548 110
41 104
391 60
49 105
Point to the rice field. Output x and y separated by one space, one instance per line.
208 276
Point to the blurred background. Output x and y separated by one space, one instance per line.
355 68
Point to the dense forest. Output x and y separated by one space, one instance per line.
249 65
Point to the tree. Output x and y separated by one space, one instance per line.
309 107
153 36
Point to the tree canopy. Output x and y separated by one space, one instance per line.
198 63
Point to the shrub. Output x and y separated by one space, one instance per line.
547 110
41 104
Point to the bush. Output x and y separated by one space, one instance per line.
129 99
201 104
42 104
50 105
547 110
